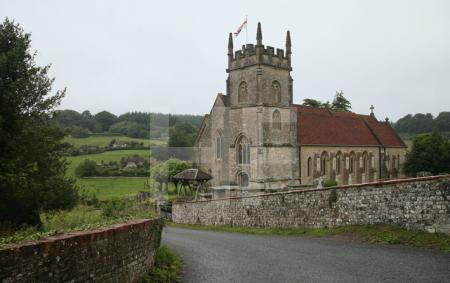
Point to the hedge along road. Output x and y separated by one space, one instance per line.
232 257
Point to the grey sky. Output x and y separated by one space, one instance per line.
170 56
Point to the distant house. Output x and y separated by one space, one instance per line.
119 144
134 162
152 161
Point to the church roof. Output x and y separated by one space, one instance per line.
321 126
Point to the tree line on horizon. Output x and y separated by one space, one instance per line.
132 124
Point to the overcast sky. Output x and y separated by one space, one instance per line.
170 56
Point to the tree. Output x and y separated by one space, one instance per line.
340 103
79 132
32 170
312 103
182 135
442 121
175 166
105 119
87 168
159 174
430 152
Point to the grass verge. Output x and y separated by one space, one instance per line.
382 234
167 267
80 218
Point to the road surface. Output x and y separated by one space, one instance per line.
232 257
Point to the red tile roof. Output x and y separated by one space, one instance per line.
320 126
386 134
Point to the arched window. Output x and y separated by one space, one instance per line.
338 163
309 166
350 166
364 162
219 145
323 163
242 92
276 120
243 180
398 162
243 150
364 168
276 92
393 162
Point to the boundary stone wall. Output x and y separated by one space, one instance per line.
119 253
416 203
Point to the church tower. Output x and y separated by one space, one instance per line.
259 76
260 134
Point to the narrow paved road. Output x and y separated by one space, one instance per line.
231 257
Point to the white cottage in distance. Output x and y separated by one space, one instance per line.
255 138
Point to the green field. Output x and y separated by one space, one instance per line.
108 187
104 140
106 156
112 187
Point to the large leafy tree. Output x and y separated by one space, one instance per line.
32 172
312 102
430 152
340 103
105 119
182 135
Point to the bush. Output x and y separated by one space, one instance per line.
87 168
330 183
430 152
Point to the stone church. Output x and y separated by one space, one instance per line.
255 138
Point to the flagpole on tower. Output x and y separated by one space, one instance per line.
246 30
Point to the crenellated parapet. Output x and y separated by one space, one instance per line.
259 54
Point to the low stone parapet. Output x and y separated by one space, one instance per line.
119 253
416 203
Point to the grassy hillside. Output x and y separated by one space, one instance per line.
104 140
108 187
107 156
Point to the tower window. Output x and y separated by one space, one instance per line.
242 92
276 120
276 92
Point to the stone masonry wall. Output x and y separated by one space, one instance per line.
419 203
120 253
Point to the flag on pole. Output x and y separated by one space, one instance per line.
243 25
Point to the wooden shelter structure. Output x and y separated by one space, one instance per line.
192 179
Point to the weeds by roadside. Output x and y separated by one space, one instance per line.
167 268
82 217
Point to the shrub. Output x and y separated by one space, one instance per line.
430 152
330 183
87 168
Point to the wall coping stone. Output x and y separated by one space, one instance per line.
372 184
77 236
